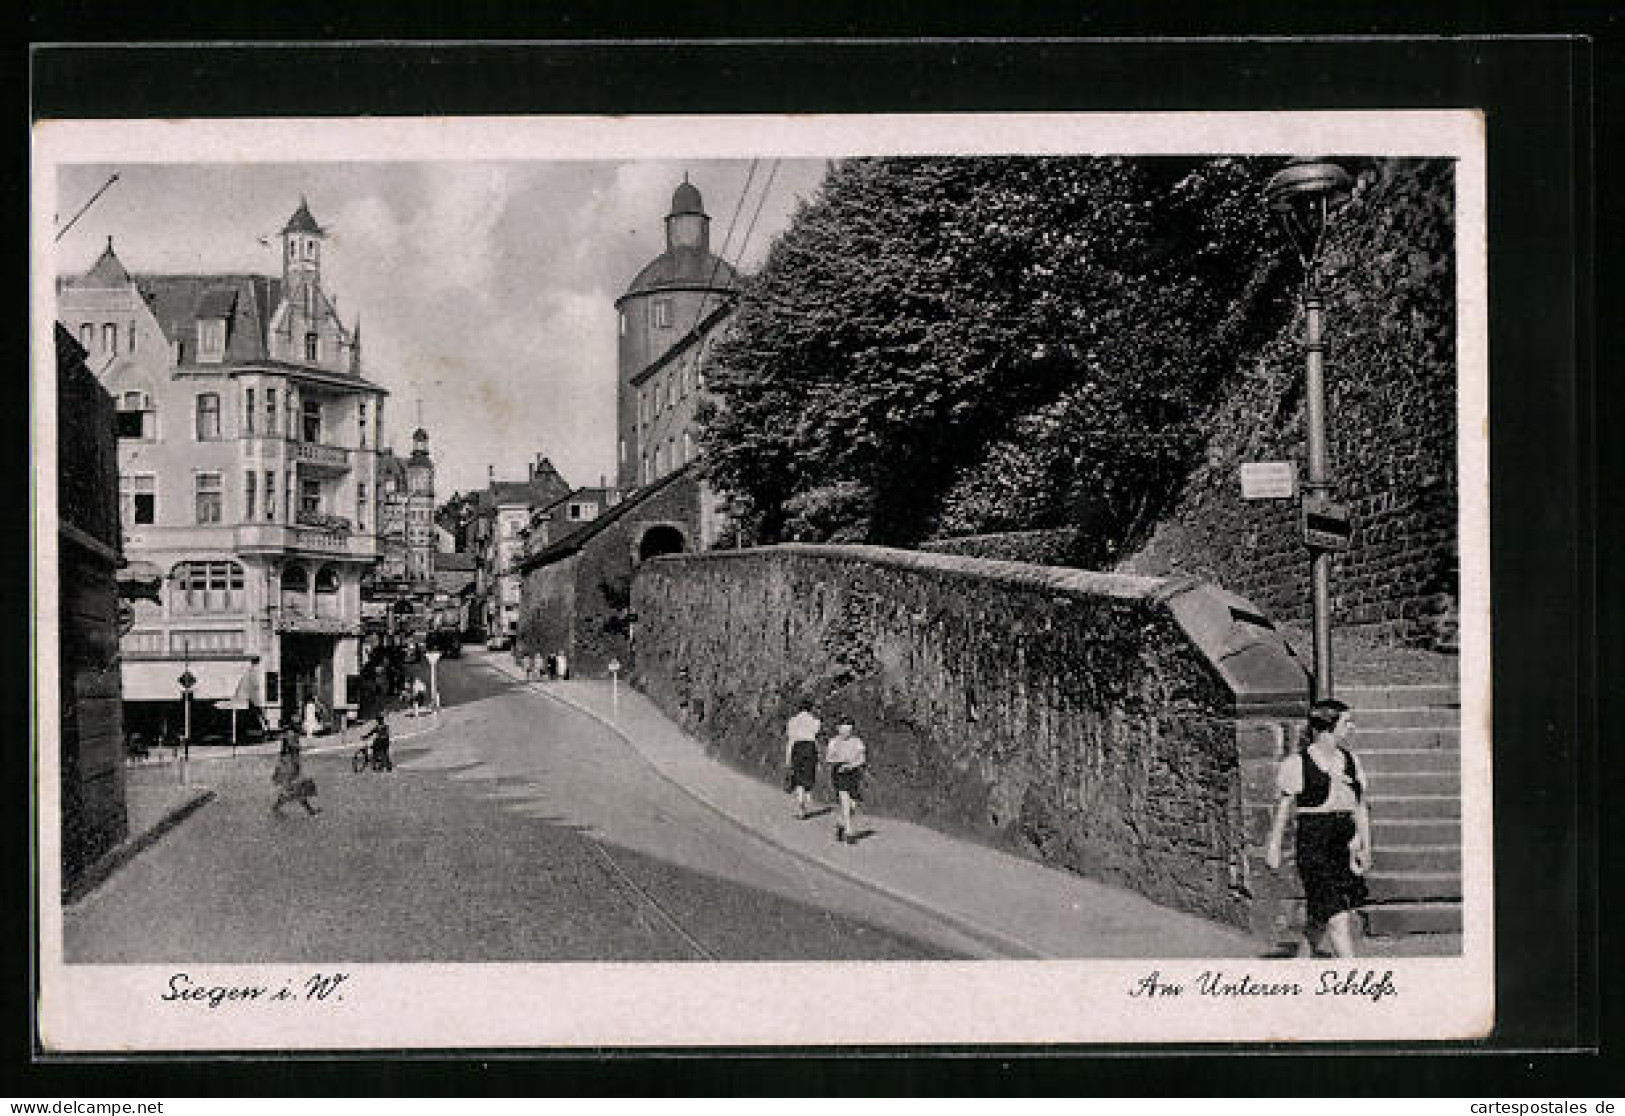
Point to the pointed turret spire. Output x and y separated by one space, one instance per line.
108 270
355 346
302 221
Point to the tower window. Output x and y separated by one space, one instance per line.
132 337
248 411
110 337
313 421
249 479
87 335
312 346
662 313
270 412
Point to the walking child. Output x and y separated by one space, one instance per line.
847 758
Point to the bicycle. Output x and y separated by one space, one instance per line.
364 758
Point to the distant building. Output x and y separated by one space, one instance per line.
420 546
248 442
577 590
496 539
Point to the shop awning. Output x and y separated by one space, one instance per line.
158 679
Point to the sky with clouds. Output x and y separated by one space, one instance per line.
485 290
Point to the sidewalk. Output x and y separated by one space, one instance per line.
1017 907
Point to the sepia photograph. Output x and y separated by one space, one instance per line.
570 582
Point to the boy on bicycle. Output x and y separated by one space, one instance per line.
379 735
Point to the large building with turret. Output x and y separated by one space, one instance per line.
247 450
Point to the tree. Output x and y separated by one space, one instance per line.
926 327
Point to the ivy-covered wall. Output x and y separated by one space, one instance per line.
1389 291
1089 719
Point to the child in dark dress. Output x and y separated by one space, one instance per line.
293 785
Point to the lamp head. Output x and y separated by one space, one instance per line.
1301 193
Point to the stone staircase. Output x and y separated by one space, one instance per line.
1408 739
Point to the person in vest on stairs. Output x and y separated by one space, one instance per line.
1324 784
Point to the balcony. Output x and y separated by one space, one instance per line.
279 538
316 457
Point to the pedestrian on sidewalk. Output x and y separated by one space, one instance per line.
561 666
847 757
1324 784
293 785
420 694
801 755
311 720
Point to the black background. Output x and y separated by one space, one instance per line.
1551 519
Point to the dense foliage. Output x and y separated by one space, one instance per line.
963 345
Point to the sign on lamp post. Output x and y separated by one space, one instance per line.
614 689
434 679
187 680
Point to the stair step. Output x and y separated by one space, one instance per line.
1364 698
1388 886
1390 834
1365 740
1406 783
1415 807
1424 717
1419 858
1388 761
1394 919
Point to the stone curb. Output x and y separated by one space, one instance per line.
126 850
971 929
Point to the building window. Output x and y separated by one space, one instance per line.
135 417
327 592
207 587
132 337
270 496
662 313
312 421
208 417
208 497
248 411
249 483
295 591
623 323
310 497
87 335
110 338
270 412
688 447
208 641
312 346
623 451
361 505
361 421
211 340
138 499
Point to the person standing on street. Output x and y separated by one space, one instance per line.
379 735
801 754
293 785
311 720
847 757
1323 782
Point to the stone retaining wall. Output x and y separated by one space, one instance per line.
1108 724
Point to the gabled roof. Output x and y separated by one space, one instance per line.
575 540
180 301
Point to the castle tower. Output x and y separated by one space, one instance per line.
669 298
302 249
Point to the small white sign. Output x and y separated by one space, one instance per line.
615 666
1269 480
433 656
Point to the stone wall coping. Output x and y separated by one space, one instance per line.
1236 639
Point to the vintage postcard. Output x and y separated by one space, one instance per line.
742 581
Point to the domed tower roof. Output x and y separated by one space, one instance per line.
685 269
687 264
687 199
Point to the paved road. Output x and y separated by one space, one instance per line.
517 831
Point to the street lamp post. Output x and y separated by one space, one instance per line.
1301 195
